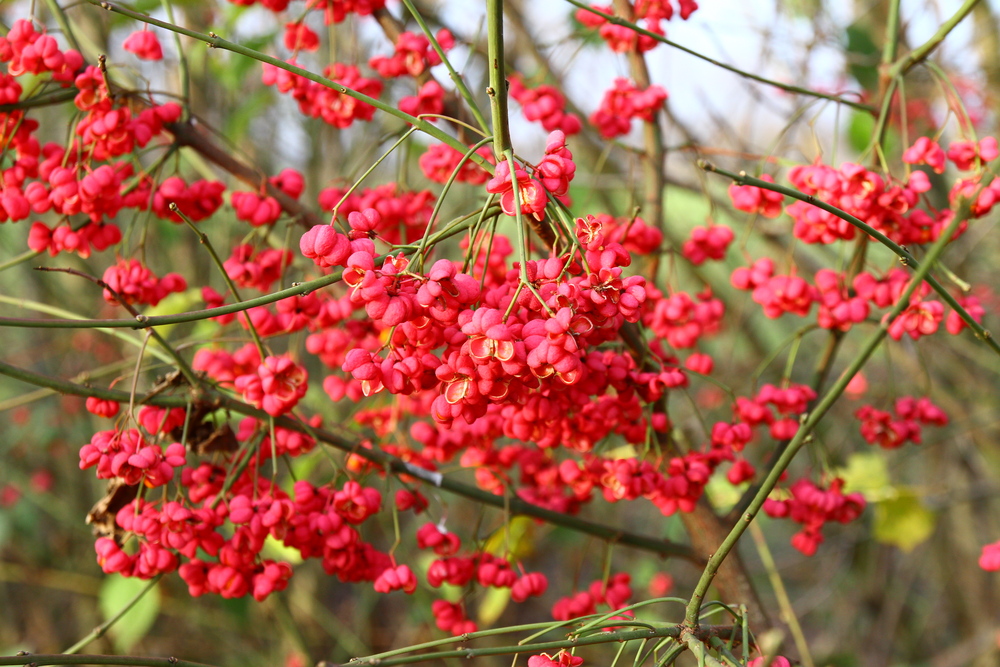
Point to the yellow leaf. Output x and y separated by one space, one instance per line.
492 606
903 521
521 542
722 494
866 473
278 551
622 452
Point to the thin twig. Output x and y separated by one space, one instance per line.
798 90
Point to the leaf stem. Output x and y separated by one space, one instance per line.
455 76
919 54
99 631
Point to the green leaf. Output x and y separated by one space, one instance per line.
115 594
277 550
859 130
866 473
722 494
903 521
516 542
862 57
492 606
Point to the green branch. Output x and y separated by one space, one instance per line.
919 54
673 631
804 433
498 81
456 78
63 659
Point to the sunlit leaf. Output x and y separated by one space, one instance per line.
903 521
859 130
866 473
863 56
116 592
278 551
492 606
516 542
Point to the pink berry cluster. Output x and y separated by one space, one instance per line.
134 283
647 13
707 243
440 161
757 200
895 208
129 456
259 209
550 176
812 507
196 201
546 105
625 102
401 212
27 51
256 268
214 534
413 55
634 234
317 101
334 11
614 593
841 306
879 428
522 368
144 44
561 659
93 176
